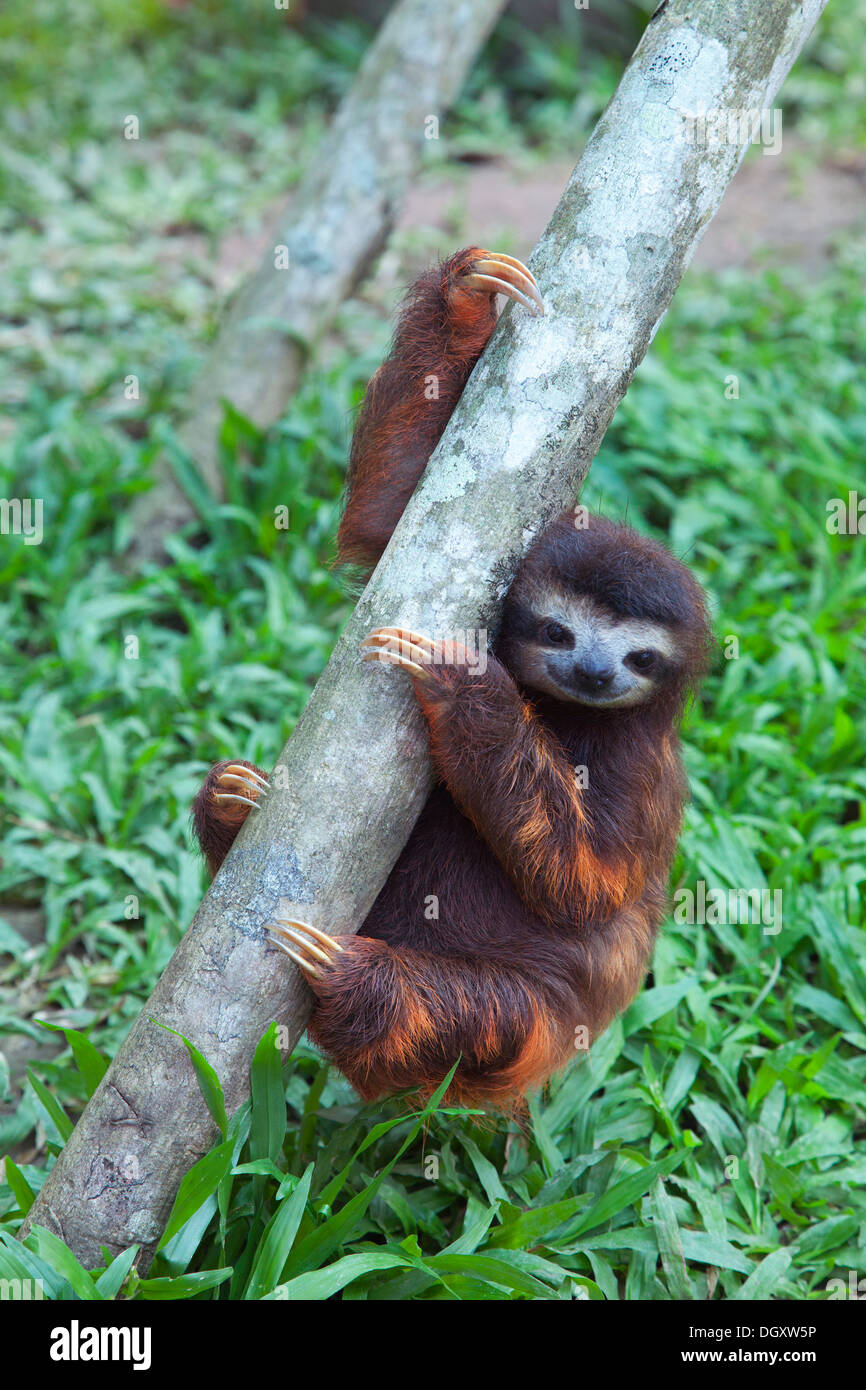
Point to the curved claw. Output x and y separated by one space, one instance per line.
247 781
321 936
386 658
384 635
500 274
230 796
395 646
302 964
309 946
305 953
237 772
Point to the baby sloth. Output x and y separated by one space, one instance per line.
547 842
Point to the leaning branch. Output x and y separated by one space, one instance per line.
333 227
354 775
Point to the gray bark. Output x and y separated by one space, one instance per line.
333 226
355 773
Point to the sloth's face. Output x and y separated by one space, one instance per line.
577 650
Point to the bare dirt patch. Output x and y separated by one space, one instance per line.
778 208
774 208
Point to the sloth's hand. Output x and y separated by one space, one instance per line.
420 656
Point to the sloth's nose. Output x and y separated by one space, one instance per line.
593 677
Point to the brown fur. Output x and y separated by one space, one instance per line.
217 823
440 335
523 907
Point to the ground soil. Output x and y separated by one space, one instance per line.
787 208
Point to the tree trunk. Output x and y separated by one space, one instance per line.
356 771
332 228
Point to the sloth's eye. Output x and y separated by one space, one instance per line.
642 661
556 633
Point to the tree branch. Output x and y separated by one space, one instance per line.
355 771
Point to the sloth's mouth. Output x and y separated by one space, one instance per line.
543 674
610 697
604 699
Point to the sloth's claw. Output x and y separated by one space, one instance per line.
387 658
402 634
244 773
238 778
310 948
397 646
496 273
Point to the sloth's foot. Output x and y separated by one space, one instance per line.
231 790
495 273
240 782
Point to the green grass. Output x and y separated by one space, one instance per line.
712 1145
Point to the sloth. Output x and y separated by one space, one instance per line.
547 841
